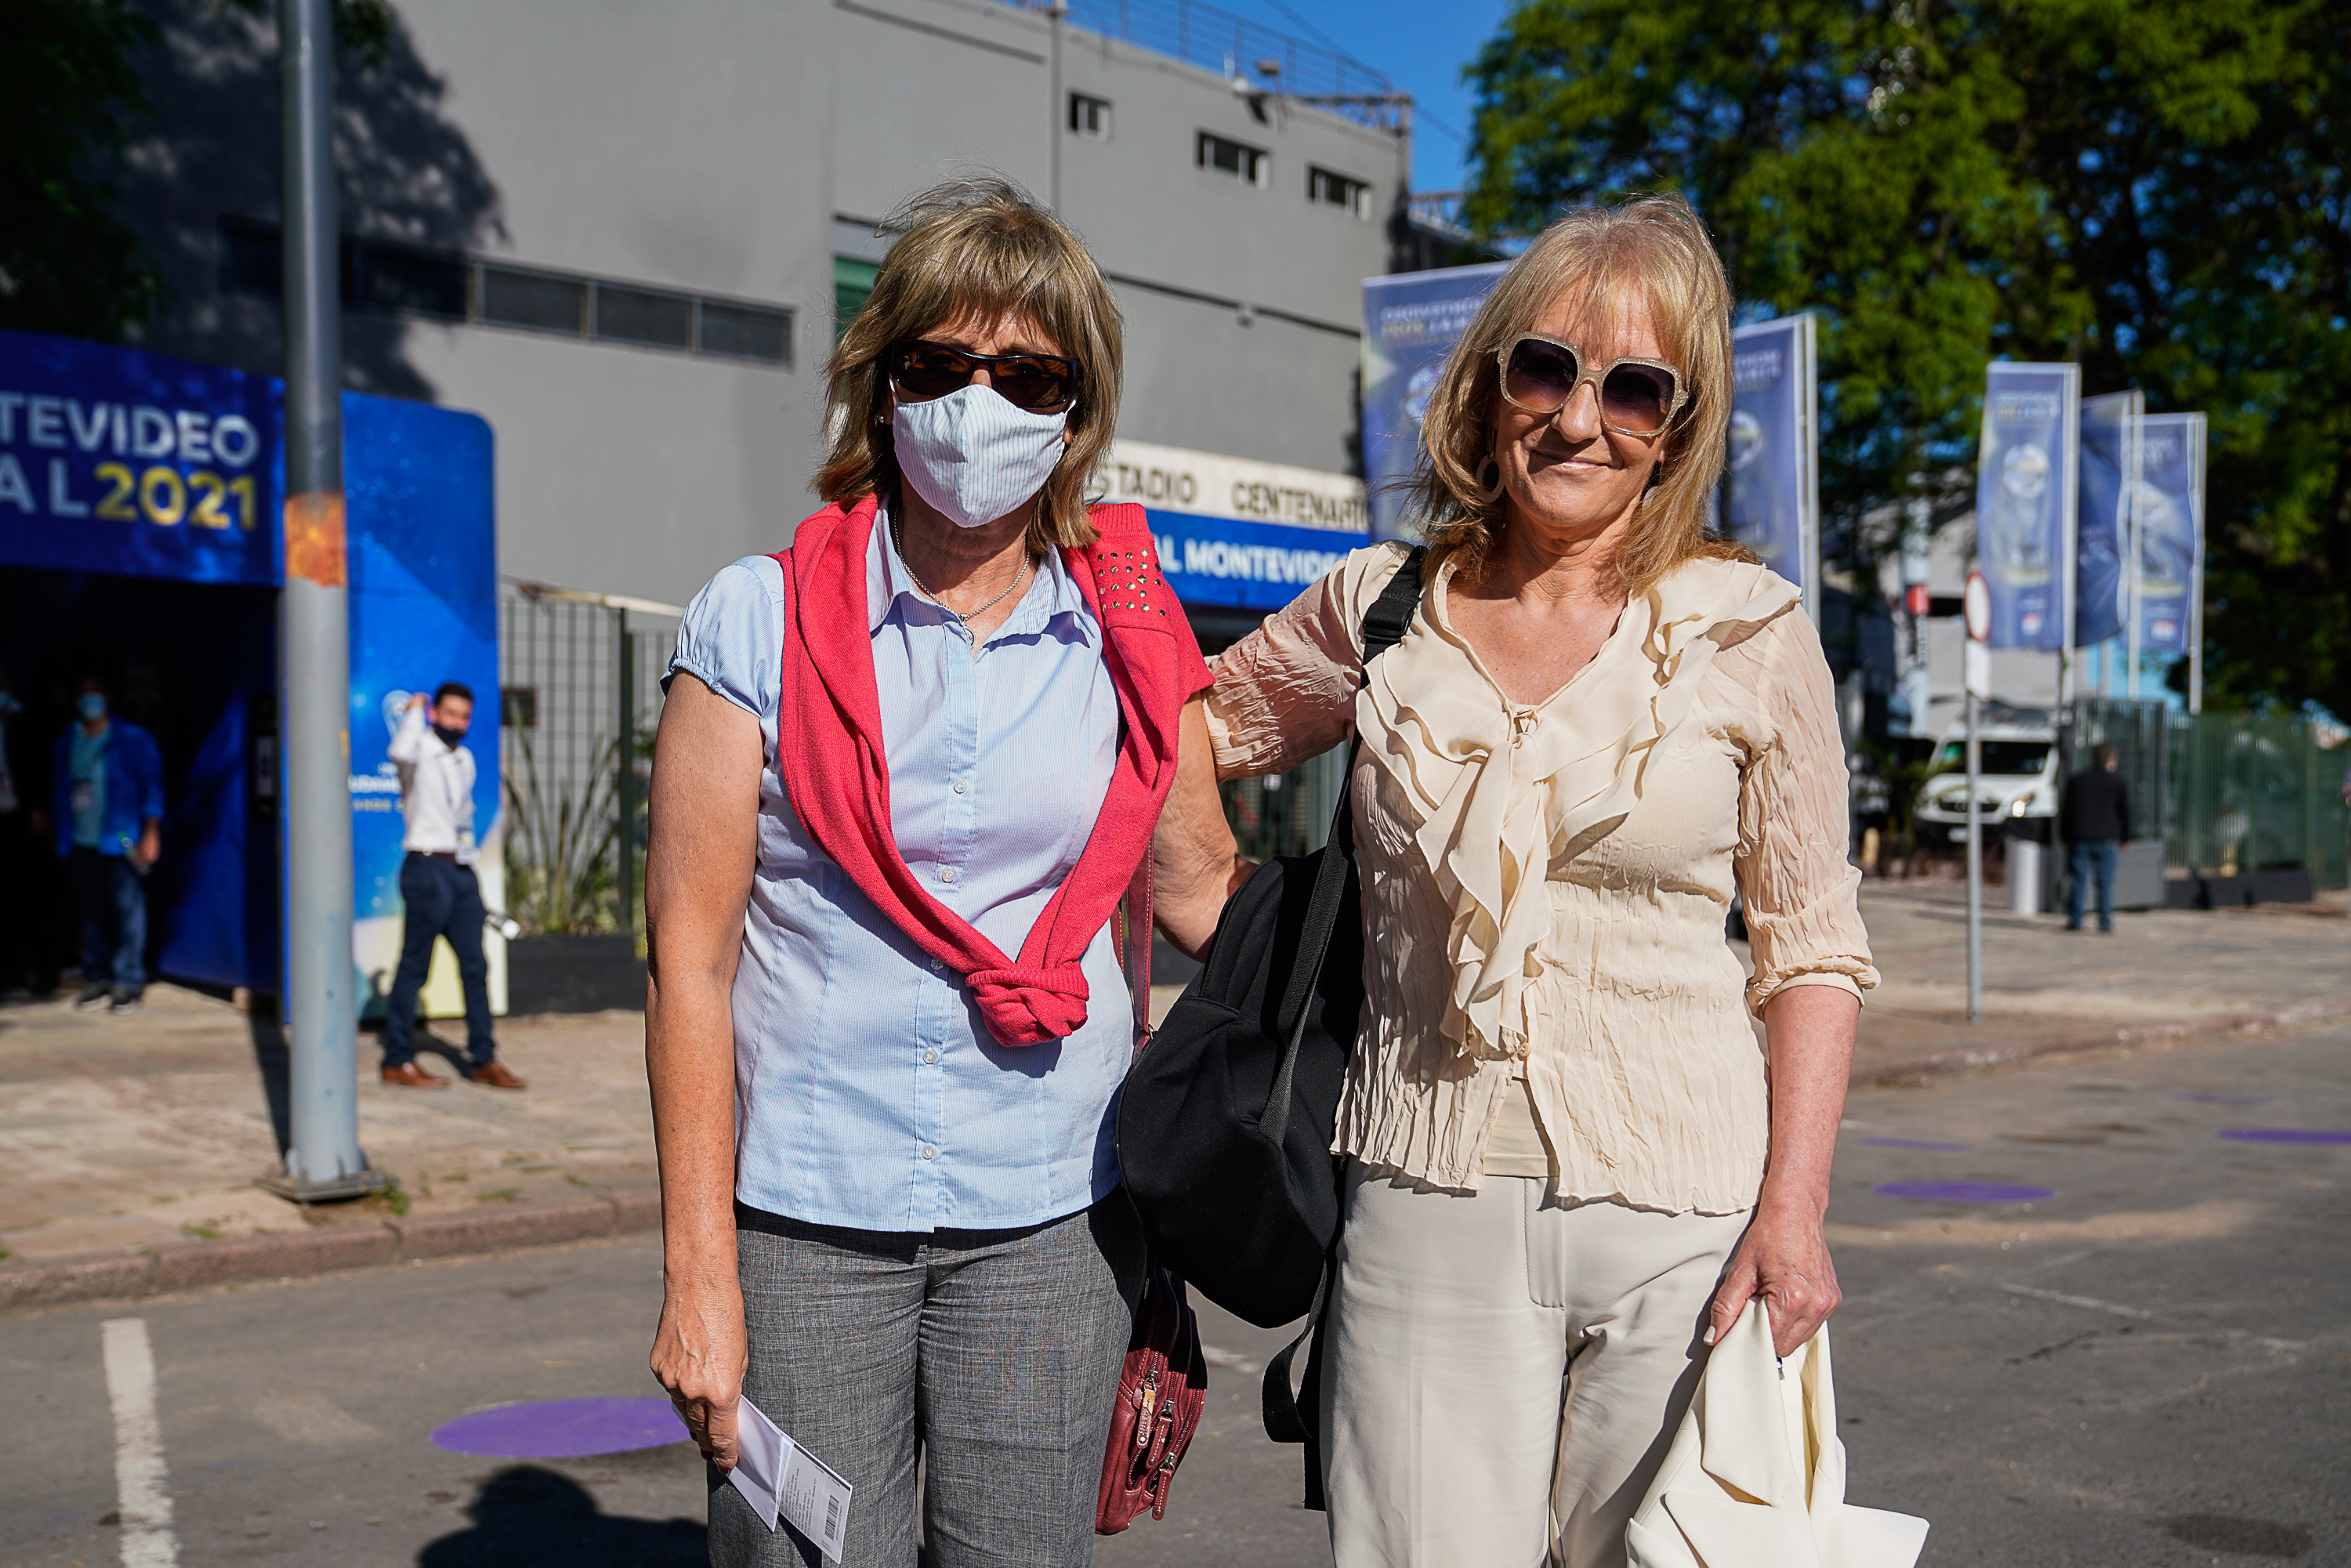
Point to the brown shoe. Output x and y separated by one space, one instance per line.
408 1075
494 1076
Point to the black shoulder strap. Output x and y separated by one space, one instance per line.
1390 616
1286 1413
1385 624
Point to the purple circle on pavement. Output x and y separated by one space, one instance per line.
2230 1099
563 1428
1920 1144
1962 1191
2287 1135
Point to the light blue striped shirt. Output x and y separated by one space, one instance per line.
868 1090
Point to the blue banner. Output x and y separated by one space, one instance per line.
1771 432
2110 431
1252 566
117 461
2170 527
418 482
2025 499
1411 322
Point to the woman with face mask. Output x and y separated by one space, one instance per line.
906 772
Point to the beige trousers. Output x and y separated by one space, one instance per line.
1502 1375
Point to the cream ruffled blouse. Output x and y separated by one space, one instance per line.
1545 885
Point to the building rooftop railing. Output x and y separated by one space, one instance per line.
1244 51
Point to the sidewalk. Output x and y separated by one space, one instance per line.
2162 970
139 1138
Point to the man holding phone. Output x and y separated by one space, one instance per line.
437 888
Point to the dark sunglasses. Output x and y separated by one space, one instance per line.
1042 383
1637 397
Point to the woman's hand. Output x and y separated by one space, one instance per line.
700 1352
698 865
1783 1261
1784 1256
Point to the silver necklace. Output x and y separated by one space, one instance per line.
963 618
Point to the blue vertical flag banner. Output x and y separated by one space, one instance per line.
2170 510
117 461
1411 322
1771 503
418 482
2025 501
2110 470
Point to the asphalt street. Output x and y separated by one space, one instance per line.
2151 1365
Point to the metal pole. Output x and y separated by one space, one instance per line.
323 1160
1975 869
624 791
1053 110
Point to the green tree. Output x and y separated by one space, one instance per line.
69 74
67 263
2155 188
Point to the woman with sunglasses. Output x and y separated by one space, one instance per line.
906 772
1568 1163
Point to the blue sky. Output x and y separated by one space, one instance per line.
1422 45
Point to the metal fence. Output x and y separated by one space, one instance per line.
580 696
1286 813
2228 793
1238 47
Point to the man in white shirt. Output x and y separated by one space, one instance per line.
437 886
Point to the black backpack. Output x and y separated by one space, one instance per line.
1226 1122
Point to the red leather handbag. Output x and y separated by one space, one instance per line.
1164 1386
1162 1392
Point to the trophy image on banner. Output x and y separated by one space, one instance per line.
2025 501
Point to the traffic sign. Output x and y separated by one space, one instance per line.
1978 605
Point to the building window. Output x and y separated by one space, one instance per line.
517 707
533 301
404 280
1333 190
644 317
1090 115
852 284
1249 164
743 333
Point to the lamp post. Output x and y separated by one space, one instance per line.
322 1158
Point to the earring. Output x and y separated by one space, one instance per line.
1490 480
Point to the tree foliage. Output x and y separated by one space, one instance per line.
2154 188
68 264
69 74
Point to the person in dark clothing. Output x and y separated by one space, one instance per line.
438 890
106 790
2095 818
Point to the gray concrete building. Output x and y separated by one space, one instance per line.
622 233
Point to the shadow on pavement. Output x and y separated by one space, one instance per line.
270 1058
528 1516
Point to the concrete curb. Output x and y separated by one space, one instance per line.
183 1265
1981 1059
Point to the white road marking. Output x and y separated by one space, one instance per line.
2091 1303
141 1490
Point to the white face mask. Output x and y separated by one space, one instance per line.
974 456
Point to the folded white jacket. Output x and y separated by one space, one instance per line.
1755 1478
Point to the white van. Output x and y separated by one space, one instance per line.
2017 784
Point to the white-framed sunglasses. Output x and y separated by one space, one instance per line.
1637 397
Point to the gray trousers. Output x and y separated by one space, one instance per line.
993 1354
